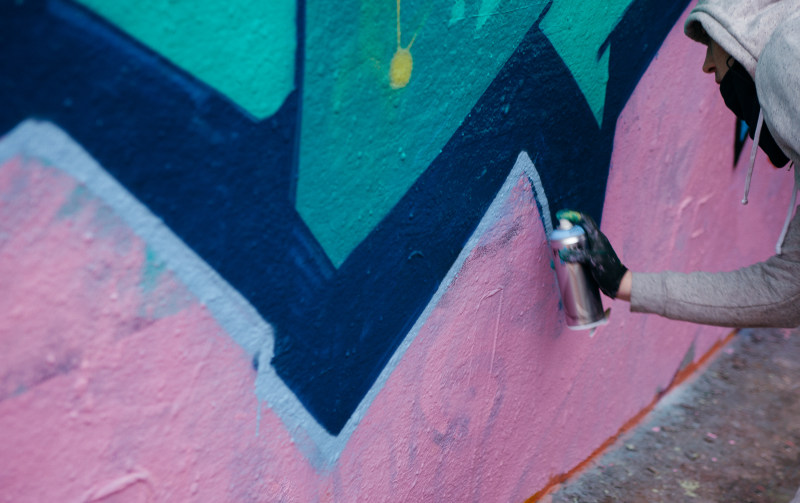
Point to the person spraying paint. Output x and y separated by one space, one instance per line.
753 50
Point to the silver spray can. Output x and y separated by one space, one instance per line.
580 294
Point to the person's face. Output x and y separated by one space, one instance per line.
716 61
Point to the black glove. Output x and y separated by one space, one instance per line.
607 270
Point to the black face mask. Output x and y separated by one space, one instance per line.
739 92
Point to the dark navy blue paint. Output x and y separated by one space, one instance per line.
225 184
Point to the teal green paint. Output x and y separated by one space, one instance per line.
245 49
457 12
162 295
363 143
170 299
151 270
78 198
488 8
577 30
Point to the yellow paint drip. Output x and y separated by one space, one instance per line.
402 63
400 68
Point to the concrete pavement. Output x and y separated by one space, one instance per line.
731 433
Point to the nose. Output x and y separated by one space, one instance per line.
708 64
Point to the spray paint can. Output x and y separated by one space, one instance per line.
580 294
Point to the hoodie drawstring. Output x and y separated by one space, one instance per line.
791 211
795 188
753 155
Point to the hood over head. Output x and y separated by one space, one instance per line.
764 36
741 27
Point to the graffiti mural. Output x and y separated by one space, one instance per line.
329 161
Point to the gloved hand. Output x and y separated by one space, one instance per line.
607 270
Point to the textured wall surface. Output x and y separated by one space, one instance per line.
298 253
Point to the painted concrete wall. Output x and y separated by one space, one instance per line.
297 252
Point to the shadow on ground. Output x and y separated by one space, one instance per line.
730 434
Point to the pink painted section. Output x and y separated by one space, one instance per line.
495 395
117 385
104 395
116 401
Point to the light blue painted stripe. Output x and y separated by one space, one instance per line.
538 190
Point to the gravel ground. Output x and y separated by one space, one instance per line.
729 434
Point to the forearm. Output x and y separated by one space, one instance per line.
624 292
764 294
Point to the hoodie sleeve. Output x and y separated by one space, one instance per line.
766 294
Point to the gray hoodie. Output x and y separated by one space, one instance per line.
764 36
